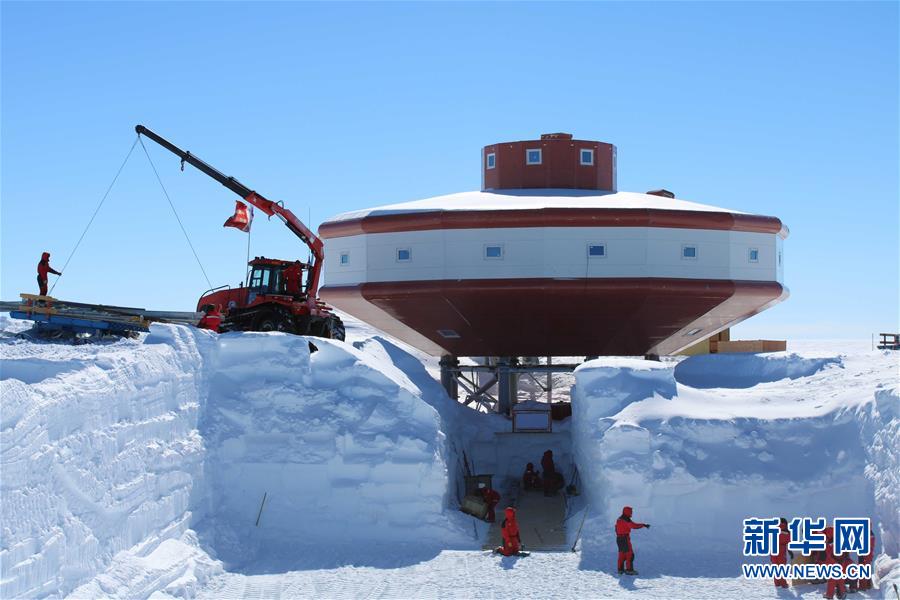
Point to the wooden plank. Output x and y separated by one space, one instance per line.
37 297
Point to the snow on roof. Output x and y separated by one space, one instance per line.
532 199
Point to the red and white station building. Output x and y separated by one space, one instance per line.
549 259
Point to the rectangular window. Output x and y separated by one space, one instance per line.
491 160
404 254
533 156
493 251
753 255
689 252
597 251
345 258
587 156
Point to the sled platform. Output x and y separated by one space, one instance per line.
53 317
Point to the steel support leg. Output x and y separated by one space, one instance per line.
449 369
507 385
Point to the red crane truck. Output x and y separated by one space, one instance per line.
267 302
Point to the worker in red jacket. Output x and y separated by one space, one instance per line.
530 479
491 499
42 269
553 480
624 525
292 278
834 585
784 538
512 543
211 319
866 559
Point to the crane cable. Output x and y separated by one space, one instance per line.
96 210
175 212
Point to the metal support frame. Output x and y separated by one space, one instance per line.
505 373
449 365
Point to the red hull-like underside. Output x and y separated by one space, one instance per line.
550 317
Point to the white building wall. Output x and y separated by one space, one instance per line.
552 252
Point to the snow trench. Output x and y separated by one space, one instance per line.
139 468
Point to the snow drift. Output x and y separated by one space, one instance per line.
746 370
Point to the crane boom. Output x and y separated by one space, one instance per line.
269 207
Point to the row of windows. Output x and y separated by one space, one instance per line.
497 252
534 156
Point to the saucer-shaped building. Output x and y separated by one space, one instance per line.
549 259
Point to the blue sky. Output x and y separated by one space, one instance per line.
780 109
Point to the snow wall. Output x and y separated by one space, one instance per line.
117 452
695 463
341 445
100 453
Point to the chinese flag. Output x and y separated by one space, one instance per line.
242 217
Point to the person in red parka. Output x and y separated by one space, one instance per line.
212 319
784 538
491 498
624 525
834 585
866 559
42 269
512 543
530 479
292 276
553 480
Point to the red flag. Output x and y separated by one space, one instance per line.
242 217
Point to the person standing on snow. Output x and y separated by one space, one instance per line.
624 525
834 585
530 479
553 480
784 538
866 559
42 269
512 543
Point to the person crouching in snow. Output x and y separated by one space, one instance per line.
512 543
624 525
491 498
784 538
530 479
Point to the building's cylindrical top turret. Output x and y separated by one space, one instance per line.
554 161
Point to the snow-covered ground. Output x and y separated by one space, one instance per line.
137 469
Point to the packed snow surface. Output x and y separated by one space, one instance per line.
138 469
